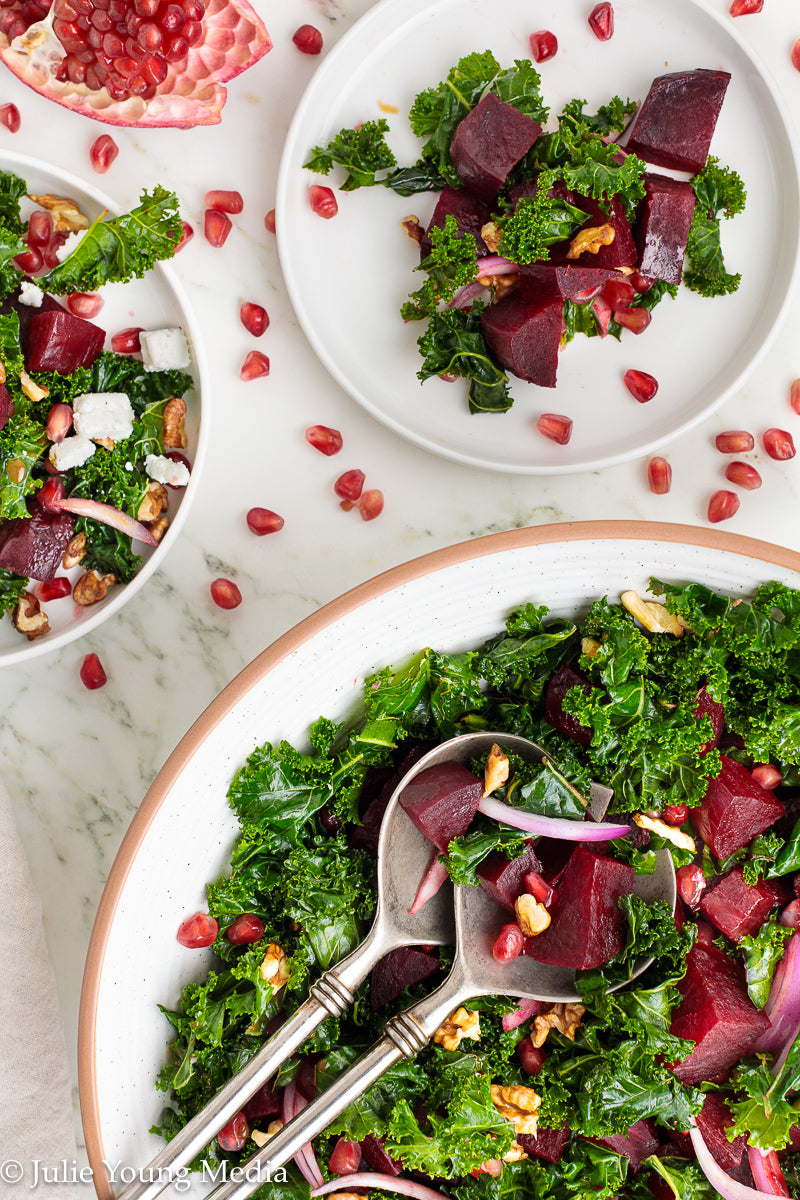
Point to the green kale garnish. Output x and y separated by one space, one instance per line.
765 1112
450 265
12 189
537 222
468 1131
23 439
719 192
361 152
122 373
12 588
453 344
577 153
762 952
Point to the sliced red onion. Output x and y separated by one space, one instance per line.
465 295
767 1172
728 1187
378 1182
783 1006
555 827
524 1010
432 880
493 264
107 515
306 1159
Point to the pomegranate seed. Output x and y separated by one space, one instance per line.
40 228
743 8
539 888
508 944
640 385
734 441
59 422
186 235
635 319
56 589
659 476
601 21
676 814
794 395
84 304
176 456
691 884
50 252
216 227
127 341
722 506
263 521
619 293
30 261
345 1157
198 931
555 427
308 39
255 366
322 201
790 916
796 55
51 491
102 153
225 593
9 116
602 315
370 504
323 438
350 485
234 1135
246 929
227 202
744 475
254 318
767 776
347 505
269 221
642 283
778 444
531 1057
544 45
92 673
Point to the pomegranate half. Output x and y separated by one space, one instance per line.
133 62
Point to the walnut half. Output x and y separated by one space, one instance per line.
463 1023
517 1104
91 587
174 423
29 618
275 966
532 916
566 1018
75 551
155 502
591 240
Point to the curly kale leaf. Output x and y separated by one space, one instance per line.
329 891
121 373
12 189
453 344
450 264
765 1111
465 853
787 860
537 222
685 1179
762 952
12 588
360 152
719 192
577 153
23 438
108 551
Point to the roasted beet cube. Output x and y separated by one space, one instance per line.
442 801
564 679
471 215
621 252
738 908
563 280
6 406
706 707
734 810
375 1153
545 1143
712 1121
716 1014
398 970
524 334
34 546
675 124
587 927
665 215
26 311
637 1144
489 142
57 341
266 1102
503 878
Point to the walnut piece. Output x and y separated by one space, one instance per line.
75 551
517 1104
91 587
515 1153
2 371
491 235
463 1023
413 228
496 770
174 422
275 966
589 647
155 502
591 240
564 1017
261 1138
29 618
66 216
159 527
651 614
532 916
31 389
678 838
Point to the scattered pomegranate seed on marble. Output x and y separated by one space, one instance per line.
767 776
56 589
640 384
308 39
635 319
225 593
796 55
127 341
9 116
216 227
245 930
350 485
254 318
269 221
255 366
722 506
743 474
778 444
85 304
322 201
40 228
601 21
323 438
102 153
370 504
92 673
555 427
659 476
743 8
227 202
198 931
734 441
619 293
59 422
233 1136
544 45
345 1157
186 235
262 521
794 395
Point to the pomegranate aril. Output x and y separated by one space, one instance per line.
225 593
531 1057
254 318
722 506
323 438
794 395
765 775
233 1136
744 475
245 930
175 48
642 283
127 341
102 153
92 673
49 493
59 422
30 260
539 888
350 485
544 45
149 37
255 366
193 32
308 39
113 45
84 304
743 8
619 293
269 223
56 589
322 201
186 235
216 227
691 884
602 315
370 504
194 9
172 19
778 444
640 385
555 427
263 521
634 319
675 814
508 944
734 441
9 116
228 202
601 21
659 476
345 1157
795 56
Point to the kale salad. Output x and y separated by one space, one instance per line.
684 1083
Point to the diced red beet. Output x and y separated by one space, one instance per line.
738 908
545 1143
794 1137
265 1103
374 1152
34 546
398 970
716 1014
503 878
554 854
712 1121
734 810
563 279
675 124
489 142
637 1145
306 1077
564 679
587 927
706 707
525 334
442 801
26 311
470 212
662 230
6 406
58 341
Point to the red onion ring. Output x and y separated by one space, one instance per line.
555 827
107 515
432 880
727 1187
783 1006
385 1183
767 1171
306 1159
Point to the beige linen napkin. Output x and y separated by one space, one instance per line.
37 1133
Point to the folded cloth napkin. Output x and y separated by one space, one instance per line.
37 1131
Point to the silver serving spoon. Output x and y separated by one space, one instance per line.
475 972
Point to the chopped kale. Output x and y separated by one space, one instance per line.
361 152
719 192
453 344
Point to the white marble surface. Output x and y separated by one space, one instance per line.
78 763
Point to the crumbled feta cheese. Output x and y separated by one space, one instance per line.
69 245
103 415
164 349
166 470
128 466
72 452
30 294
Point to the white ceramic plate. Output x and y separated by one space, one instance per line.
155 302
348 276
183 832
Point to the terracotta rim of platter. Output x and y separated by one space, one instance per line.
287 644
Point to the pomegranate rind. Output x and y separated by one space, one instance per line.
234 38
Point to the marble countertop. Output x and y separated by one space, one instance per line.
78 763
